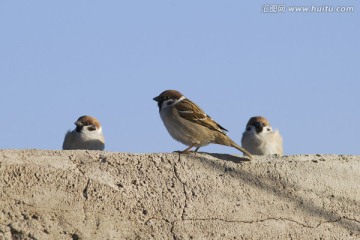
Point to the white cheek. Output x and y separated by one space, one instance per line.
87 130
268 129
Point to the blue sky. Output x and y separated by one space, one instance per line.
108 59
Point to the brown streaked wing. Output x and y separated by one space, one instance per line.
191 112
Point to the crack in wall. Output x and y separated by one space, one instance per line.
277 219
174 237
263 220
255 221
184 189
351 219
85 191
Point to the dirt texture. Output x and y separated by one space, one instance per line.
107 195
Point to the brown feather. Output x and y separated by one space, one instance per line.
253 120
191 112
87 120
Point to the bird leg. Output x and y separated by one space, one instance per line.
188 149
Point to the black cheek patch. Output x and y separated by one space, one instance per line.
91 128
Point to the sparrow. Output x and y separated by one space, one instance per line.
87 135
260 139
187 123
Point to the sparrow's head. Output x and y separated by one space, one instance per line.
258 124
168 99
87 123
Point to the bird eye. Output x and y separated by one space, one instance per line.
268 129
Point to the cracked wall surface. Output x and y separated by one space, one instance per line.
107 195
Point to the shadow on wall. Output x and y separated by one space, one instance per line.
276 186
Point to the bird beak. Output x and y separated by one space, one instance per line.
157 99
78 124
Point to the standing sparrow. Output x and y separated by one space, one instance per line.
260 139
87 135
189 124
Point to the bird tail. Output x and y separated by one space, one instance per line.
243 150
223 139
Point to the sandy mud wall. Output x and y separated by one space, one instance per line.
105 195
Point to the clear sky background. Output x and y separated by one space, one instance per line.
63 59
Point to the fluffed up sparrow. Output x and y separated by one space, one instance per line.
260 139
87 135
189 124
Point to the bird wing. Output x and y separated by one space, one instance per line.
191 112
